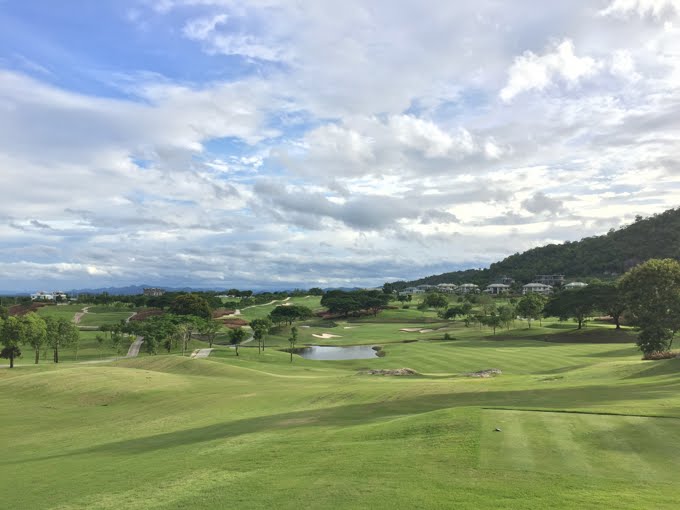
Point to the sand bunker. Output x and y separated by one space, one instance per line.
410 330
325 336
426 330
350 327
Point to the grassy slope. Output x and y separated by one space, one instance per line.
259 432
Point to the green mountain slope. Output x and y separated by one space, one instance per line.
613 253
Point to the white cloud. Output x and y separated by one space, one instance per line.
533 72
349 144
655 8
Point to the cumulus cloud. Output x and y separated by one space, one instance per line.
655 8
336 144
537 72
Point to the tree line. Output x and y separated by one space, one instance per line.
37 333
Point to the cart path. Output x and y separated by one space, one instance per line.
133 351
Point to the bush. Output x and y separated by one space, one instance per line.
653 339
447 336
661 355
406 307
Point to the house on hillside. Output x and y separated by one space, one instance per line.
497 288
409 291
575 285
426 288
467 288
549 279
537 288
447 288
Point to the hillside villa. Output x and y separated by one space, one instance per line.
537 288
497 288
468 288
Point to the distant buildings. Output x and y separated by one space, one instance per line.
468 288
411 290
497 288
49 296
447 288
549 279
153 291
537 288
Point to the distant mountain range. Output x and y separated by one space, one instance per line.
603 256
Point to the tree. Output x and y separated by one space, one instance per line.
493 321
435 300
60 333
486 302
531 307
652 294
100 342
208 329
507 315
451 313
608 298
236 336
292 340
35 332
260 329
289 314
577 304
191 304
184 329
11 335
158 331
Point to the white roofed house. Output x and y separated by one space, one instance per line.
448 288
497 288
411 290
467 288
537 288
575 285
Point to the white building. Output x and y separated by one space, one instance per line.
447 288
468 288
575 285
538 288
49 296
411 290
497 288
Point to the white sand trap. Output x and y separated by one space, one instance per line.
305 327
326 335
426 330
410 330
350 327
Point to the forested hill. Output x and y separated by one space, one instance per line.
613 253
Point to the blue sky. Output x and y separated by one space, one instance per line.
272 144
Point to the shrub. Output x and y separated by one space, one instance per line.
406 307
447 336
661 355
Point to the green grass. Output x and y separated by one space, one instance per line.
585 424
104 318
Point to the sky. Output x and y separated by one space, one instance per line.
278 144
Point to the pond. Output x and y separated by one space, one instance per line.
335 353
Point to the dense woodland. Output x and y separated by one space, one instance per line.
601 256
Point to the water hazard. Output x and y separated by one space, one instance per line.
336 353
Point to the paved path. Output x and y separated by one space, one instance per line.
133 351
201 353
131 316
